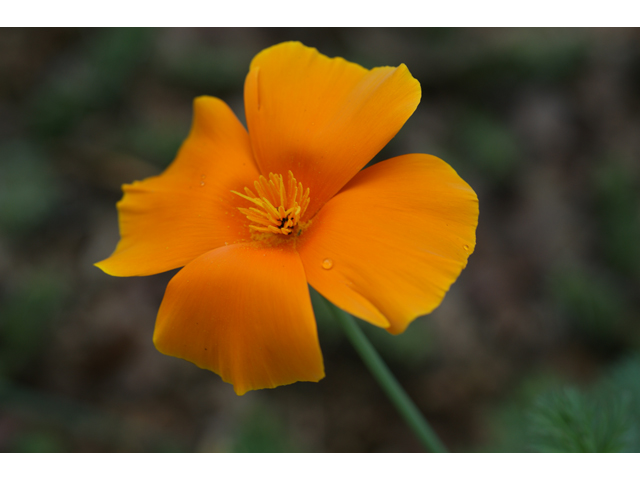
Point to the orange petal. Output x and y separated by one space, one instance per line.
390 244
322 118
245 313
168 220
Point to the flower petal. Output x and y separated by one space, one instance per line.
245 313
390 244
168 220
322 118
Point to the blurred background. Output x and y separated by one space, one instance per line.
535 348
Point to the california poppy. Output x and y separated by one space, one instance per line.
253 216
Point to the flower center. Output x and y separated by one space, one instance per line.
278 209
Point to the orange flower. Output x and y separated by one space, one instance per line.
252 217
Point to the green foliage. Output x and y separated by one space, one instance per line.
595 305
207 69
28 187
26 315
38 441
552 59
489 146
570 421
509 422
159 142
618 207
91 80
549 59
545 417
263 431
50 421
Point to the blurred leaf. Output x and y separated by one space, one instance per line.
622 382
262 431
544 416
618 202
489 146
90 79
569 421
504 63
593 303
25 318
159 143
80 420
624 377
116 53
508 422
28 187
550 57
37 442
208 69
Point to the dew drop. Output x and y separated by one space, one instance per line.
203 177
327 263
202 184
466 247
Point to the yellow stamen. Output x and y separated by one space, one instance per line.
279 208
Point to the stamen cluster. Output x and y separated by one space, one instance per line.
279 208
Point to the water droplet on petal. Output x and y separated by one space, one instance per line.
466 247
202 184
327 263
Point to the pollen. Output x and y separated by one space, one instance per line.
278 206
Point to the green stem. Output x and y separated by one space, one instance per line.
388 382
